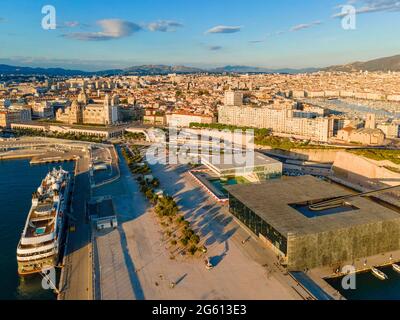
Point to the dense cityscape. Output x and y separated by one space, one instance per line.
166 182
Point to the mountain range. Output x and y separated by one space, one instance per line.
143 70
381 64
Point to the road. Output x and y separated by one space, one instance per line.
78 263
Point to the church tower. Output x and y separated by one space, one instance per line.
107 110
75 113
370 122
115 100
82 98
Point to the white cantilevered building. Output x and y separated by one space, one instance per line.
256 167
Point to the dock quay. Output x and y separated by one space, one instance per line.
363 265
320 275
76 274
53 159
77 277
5 157
39 157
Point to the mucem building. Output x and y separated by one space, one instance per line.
278 212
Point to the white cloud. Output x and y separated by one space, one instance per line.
215 48
256 41
71 24
224 29
305 26
164 26
370 6
68 24
111 29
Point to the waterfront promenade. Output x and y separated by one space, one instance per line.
134 260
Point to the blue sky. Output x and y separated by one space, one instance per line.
99 34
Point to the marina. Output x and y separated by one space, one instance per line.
396 267
371 287
379 274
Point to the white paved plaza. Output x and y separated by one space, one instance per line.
136 265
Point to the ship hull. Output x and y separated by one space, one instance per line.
34 267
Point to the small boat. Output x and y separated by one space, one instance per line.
379 274
396 268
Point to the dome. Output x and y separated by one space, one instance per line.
82 97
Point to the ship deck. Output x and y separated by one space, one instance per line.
42 220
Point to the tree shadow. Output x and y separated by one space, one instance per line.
216 260
181 279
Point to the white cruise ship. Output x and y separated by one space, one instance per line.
40 241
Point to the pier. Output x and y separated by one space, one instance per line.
75 282
45 159
76 275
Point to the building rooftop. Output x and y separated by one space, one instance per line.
231 163
273 201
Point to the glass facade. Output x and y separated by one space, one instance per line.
269 175
256 224
263 172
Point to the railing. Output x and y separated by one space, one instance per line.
338 201
37 257
38 240
34 250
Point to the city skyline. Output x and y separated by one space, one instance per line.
200 152
94 36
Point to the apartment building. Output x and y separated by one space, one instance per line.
154 117
233 98
24 110
8 117
283 120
